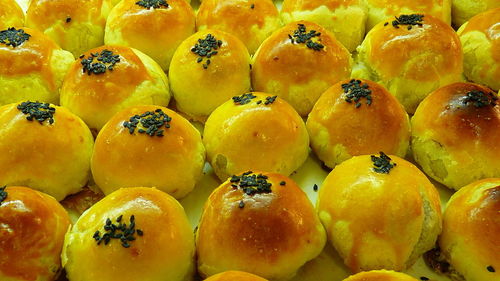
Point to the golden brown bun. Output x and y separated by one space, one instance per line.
135 80
471 224
235 276
173 162
75 25
251 21
339 129
480 39
463 10
380 275
156 32
53 158
410 63
456 142
10 14
201 84
295 72
32 70
255 136
32 228
346 19
378 220
381 10
164 252
270 234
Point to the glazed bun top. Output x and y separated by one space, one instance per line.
380 275
235 276
10 14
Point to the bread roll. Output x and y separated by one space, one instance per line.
357 117
480 39
251 21
261 223
109 79
346 19
255 131
381 10
471 224
148 146
298 63
32 66
463 10
75 25
32 228
44 147
235 275
411 56
455 134
132 234
156 28
207 69
10 14
381 275
380 212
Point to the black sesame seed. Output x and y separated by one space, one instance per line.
251 183
423 278
241 205
252 6
155 4
283 183
243 99
301 36
68 19
37 111
480 99
118 231
490 268
315 187
106 60
206 48
3 194
13 37
151 122
382 163
410 20
355 90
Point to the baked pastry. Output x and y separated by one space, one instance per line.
32 66
261 223
235 275
455 134
345 19
11 14
298 63
481 44
132 234
381 275
470 231
380 212
357 117
148 146
45 147
380 10
463 10
207 69
75 25
108 79
251 21
156 28
411 56
32 228
255 131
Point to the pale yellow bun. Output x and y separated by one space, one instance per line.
251 21
53 158
463 10
32 69
410 63
269 229
455 140
32 231
10 14
346 19
75 25
202 83
155 31
380 10
235 276
480 38
471 224
378 220
164 251
134 80
295 72
341 127
255 135
380 275
172 162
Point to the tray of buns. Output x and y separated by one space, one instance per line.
224 140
